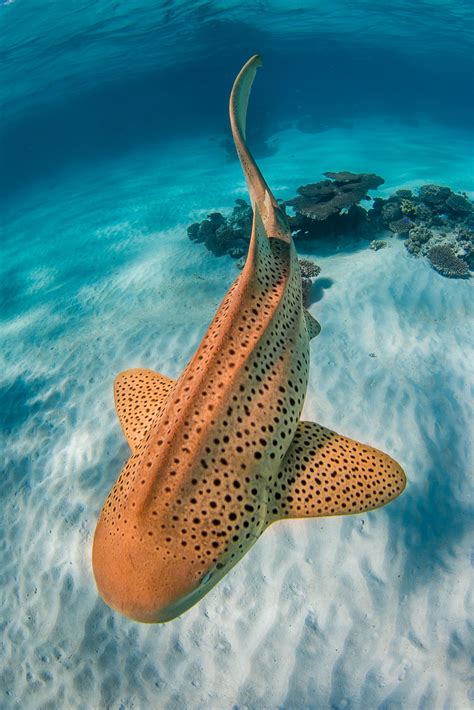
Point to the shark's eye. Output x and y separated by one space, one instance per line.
206 578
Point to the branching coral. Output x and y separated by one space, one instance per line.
417 236
423 213
309 271
389 212
408 207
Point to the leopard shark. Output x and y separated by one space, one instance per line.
221 453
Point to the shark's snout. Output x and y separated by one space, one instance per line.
134 579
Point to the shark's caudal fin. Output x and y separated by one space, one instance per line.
324 473
273 218
139 397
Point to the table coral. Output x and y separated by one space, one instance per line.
320 200
401 226
444 260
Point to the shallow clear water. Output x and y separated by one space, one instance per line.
114 139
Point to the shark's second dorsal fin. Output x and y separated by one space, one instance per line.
139 396
324 473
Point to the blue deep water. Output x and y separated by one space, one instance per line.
114 137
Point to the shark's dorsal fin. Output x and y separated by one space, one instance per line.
324 473
312 324
139 396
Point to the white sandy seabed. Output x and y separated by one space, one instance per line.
369 611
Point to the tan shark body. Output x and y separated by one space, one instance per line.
221 453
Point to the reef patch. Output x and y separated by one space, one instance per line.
433 217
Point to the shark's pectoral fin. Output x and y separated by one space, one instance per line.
312 325
324 473
139 396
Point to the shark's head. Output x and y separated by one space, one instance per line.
148 581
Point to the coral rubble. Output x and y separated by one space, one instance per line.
377 244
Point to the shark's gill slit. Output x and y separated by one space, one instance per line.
220 453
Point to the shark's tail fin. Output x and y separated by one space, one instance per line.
273 218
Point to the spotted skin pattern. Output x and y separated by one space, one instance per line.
220 454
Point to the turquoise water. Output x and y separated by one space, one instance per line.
114 139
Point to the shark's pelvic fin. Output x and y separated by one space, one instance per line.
324 473
139 397
273 218
312 325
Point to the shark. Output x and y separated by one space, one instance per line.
221 453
